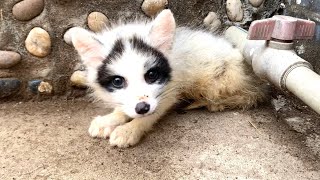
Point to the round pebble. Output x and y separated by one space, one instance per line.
38 42
9 86
97 21
45 87
153 7
212 21
27 9
78 79
68 34
234 10
8 59
256 3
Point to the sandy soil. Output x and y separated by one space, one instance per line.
49 140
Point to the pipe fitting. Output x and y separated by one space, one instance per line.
276 61
271 63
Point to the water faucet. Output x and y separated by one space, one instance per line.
268 47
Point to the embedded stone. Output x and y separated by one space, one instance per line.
68 34
212 21
38 42
78 78
255 3
153 7
33 85
8 59
27 9
9 86
41 73
45 87
97 21
234 10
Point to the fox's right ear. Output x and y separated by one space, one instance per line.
89 48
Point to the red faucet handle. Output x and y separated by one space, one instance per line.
282 28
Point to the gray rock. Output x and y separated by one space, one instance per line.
33 85
8 59
27 9
9 86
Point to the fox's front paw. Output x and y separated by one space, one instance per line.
102 126
125 136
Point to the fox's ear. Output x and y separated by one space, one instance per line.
89 48
162 31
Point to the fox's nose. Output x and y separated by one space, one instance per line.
142 108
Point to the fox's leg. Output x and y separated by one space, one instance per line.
102 126
130 133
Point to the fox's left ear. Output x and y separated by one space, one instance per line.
162 31
89 48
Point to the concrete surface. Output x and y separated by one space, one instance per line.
49 140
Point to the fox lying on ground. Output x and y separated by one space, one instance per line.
142 69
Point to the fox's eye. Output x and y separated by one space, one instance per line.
151 76
118 82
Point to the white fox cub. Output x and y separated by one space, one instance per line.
142 69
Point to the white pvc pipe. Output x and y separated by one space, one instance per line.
281 67
305 84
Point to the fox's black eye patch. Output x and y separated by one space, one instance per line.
107 79
157 68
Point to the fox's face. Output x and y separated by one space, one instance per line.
129 68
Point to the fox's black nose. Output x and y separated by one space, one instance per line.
142 108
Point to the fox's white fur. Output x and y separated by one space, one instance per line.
204 68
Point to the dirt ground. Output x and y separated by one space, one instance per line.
49 140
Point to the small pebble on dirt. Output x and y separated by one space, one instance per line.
153 7
38 42
234 10
212 21
45 87
78 78
255 3
97 21
68 34
8 59
27 9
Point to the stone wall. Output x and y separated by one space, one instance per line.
307 9
36 62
